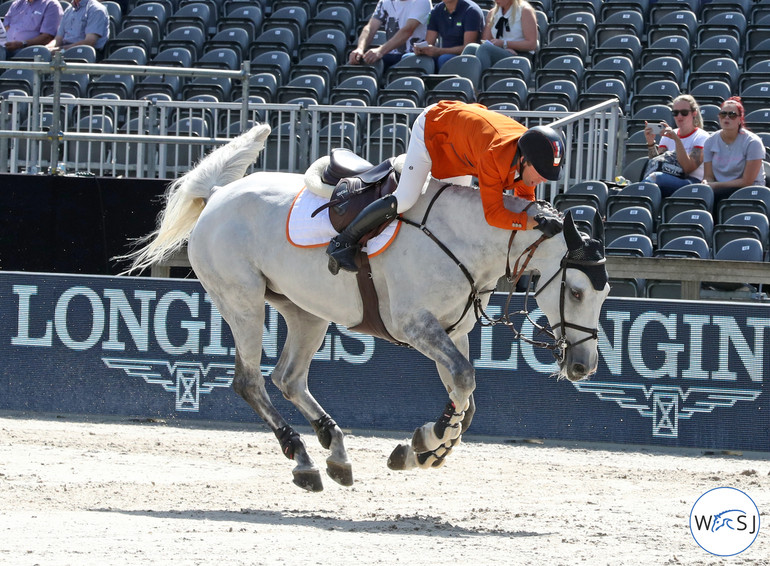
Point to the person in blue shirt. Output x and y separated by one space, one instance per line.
85 22
456 23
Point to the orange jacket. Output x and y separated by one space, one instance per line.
469 139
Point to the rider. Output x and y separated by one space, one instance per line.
452 139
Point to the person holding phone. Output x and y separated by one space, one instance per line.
678 159
732 157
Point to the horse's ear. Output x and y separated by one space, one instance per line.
599 227
571 235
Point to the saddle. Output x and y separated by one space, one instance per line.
356 184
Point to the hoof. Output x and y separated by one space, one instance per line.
341 473
308 479
399 458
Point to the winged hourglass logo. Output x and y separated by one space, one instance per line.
666 405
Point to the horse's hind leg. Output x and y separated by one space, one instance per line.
305 336
245 313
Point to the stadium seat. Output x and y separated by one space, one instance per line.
220 58
276 62
189 37
578 21
634 245
617 67
721 24
235 38
601 91
276 38
332 17
720 69
325 41
363 88
324 64
567 44
88 155
456 88
195 14
695 222
692 196
339 134
310 85
685 246
173 57
416 66
515 66
565 67
128 55
557 91
593 193
31 52
120 84
715 47
756 97
711 92
759 120
679 22
248 17
467 66
626 22
412 88
294 18
662 91
628 220
755 198
152 14
511 90
617 46
664 67
220 87
756 73
643 194
136 35
743 225
672 45
388 141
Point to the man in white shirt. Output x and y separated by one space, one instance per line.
404 22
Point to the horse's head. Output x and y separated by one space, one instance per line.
571 294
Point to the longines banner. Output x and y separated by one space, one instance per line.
670 373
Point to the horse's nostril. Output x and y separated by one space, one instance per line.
579 369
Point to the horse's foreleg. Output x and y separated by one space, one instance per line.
434 441
305 335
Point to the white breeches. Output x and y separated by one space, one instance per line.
417 165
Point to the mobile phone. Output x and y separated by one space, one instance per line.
421 44
656 128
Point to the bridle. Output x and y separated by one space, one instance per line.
559 345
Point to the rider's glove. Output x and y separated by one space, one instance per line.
549 225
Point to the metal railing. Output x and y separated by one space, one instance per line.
46 130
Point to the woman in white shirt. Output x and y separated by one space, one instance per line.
685 142
732 157
511 29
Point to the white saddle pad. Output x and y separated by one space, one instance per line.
306 232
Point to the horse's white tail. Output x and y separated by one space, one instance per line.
186 197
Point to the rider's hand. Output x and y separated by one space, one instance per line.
549 225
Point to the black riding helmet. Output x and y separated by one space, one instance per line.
543 147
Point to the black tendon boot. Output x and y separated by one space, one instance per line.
343 247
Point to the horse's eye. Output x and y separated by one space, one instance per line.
577 295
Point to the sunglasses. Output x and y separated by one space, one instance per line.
682 112
731 115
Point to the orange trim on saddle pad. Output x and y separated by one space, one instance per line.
288 219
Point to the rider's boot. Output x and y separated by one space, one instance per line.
343 247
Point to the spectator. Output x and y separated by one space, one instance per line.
732 157
682 146
404 22
456 23
85 22
511 29
31 22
